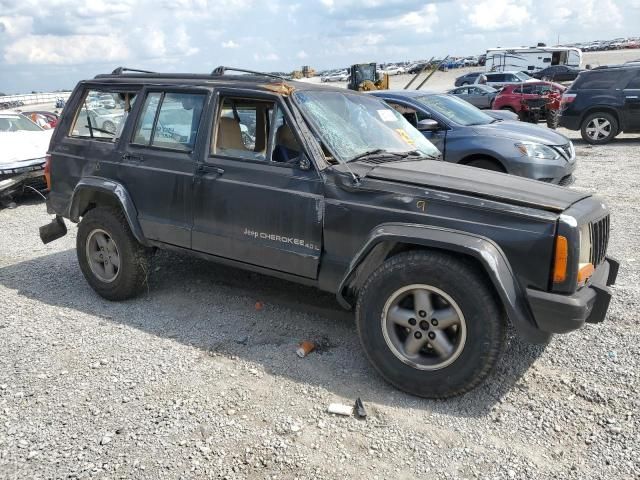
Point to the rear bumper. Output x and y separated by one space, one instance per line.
555 313
568 121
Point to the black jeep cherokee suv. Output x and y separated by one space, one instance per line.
603 102
334 189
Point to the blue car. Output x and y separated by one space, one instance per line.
467 135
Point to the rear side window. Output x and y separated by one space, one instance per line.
102 114
496 77
170 120
598 80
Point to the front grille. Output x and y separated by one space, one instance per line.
566 150
599 240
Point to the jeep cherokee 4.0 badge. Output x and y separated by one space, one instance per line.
333 189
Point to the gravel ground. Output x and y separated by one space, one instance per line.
198 378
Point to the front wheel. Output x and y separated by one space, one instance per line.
486 164
430 324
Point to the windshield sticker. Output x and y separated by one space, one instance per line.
387 115
405 136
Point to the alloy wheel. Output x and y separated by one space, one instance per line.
598 129
424 327
103 256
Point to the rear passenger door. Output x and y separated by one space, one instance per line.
258 199
158 161
632 103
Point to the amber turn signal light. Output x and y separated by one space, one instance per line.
47 171
585 271
560 259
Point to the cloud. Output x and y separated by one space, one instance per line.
73 49
268 57
55 43
498 14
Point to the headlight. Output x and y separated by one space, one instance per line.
537 150
585 267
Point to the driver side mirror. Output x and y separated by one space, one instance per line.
428 125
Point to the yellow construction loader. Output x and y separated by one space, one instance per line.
364 77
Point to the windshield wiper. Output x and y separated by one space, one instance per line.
368 153
380 152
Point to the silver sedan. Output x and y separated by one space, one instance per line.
480 96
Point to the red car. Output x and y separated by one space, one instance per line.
511 96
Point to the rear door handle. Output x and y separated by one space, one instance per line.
135 158
210 169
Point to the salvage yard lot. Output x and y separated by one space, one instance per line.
195 379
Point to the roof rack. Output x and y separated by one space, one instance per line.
121 70
222 69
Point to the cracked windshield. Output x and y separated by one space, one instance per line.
352 125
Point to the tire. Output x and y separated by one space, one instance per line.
599 128
104 232
486 164
464 83
553 119
476 342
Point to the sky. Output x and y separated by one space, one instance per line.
52 44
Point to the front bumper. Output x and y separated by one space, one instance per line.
556 313
552 171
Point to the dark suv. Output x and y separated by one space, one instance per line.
603 102
333 189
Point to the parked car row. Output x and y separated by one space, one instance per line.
12 104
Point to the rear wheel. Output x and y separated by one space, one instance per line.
599 128
430 324
111 259
553 119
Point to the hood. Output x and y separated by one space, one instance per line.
23 145
521 131
481 183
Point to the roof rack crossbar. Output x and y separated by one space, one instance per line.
121 70
222 69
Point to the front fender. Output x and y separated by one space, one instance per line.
85 191
484 250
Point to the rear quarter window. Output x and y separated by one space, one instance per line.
597 80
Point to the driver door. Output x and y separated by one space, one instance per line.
257 198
